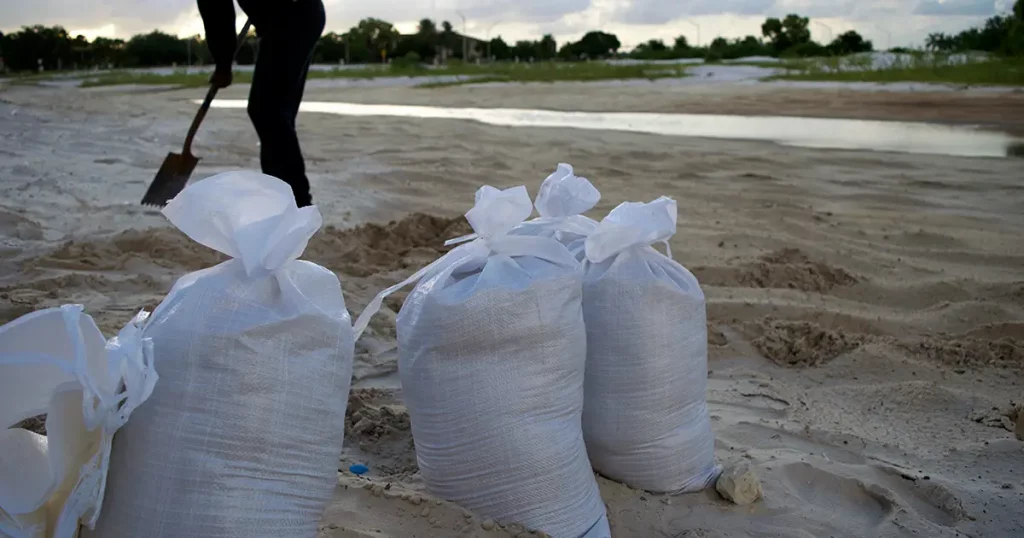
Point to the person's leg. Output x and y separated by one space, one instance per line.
285 50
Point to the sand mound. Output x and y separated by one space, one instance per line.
802 343
164 247
369 249
786 268
969 352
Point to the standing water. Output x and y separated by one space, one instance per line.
907 137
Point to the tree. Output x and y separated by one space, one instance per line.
789 32
654 49
524 50
500 50
24 48
598 44
681 44
155 48
372 40
449 40
331 48
547 48
849 43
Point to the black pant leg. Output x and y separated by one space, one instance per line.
285 51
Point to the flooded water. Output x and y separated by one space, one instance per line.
906 137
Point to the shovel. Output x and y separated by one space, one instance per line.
177 167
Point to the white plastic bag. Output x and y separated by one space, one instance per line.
491 358
242 436
645 415
55 361
561 202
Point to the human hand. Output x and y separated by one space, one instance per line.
221 77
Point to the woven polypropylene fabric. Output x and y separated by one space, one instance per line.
645 416
493 379
242 434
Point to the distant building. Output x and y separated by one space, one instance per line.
476 49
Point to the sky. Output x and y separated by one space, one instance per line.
886 22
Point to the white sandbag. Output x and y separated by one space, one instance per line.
561 202
242 436
491 349
645 416
55 361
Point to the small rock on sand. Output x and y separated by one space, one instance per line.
488 524
1019 430
739 484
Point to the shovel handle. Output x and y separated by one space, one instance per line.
210 94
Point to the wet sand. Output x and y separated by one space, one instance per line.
866 310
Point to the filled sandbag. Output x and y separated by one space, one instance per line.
55 361
492 351
242 436
561 201
645 416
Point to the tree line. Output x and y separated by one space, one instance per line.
377 41
1001 34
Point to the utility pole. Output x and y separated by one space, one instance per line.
831 34
697 26
464 44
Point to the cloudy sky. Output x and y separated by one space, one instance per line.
887 22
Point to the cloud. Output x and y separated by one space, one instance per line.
523 10
663 11
945 8
128 16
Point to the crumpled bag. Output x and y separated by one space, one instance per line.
645 417
492 353
242 436
561 201
55 361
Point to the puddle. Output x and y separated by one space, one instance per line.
906 137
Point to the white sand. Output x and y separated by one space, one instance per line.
866 309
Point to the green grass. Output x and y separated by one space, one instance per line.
554 72
994 72
539 72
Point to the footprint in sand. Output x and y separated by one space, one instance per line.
827 495
930 500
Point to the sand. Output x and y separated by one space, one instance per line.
866 310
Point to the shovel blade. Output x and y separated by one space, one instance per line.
171 179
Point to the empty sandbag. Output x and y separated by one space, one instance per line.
645 416
241 438
55 361
492 351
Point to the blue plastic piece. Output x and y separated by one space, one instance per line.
358 469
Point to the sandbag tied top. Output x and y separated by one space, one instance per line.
564 194
645 417
55 361
491 356
242 435
561 202
249 216
632 224
495 214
